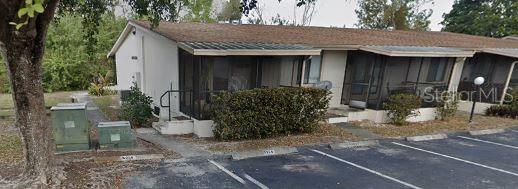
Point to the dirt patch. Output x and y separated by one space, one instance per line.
456 124
11 153
325 133
92 174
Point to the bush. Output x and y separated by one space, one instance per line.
136 108
508 111
264 113
447 106
402 106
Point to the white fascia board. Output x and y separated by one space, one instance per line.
237 52
120 40
128 29
497 52
419 54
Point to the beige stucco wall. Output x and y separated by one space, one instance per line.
333 69
456 74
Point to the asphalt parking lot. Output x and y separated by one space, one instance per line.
461 161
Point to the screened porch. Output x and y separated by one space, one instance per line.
205 74
373 74
498 71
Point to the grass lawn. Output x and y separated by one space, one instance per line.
51 99
456 124
109 105
325 133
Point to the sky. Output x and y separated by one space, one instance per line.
340 13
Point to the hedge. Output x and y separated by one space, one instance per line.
265 113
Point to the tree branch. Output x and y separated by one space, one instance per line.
42 23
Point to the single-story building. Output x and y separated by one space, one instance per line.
181 65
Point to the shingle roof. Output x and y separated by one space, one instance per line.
320 36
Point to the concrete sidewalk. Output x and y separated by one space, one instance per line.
184 149
92 110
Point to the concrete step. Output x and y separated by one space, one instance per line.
337 120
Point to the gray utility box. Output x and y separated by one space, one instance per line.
70 126
115 135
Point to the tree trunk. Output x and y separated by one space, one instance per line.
31 117
23 52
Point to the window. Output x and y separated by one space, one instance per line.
312 69
437 69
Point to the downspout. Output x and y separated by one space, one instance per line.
509 75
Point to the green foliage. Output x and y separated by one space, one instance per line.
4 79
100 86
136 108
508 111
231 11
264 113
492 18
447 106
199 11
395 14
31 8
66 63
401 106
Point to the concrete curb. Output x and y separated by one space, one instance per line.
264 152
426 137
486 132
131 157
352 144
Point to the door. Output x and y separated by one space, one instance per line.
360 85
362 80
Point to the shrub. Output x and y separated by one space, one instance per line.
136 108
508 111
100 85
401 106
447 106
264 113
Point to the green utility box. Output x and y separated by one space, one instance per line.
71 129
115 135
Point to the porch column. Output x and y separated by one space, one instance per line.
509 75
456 74
303 72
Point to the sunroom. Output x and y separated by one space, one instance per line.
210 68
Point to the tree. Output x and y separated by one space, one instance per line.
492 18
231 11
396 15
23 29
199 11
308 10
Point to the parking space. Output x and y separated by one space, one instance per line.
182 174
308 169
463 161
508 138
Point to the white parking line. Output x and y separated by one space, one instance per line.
239 179
489 142
259 184
458 159
368 170
512 130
